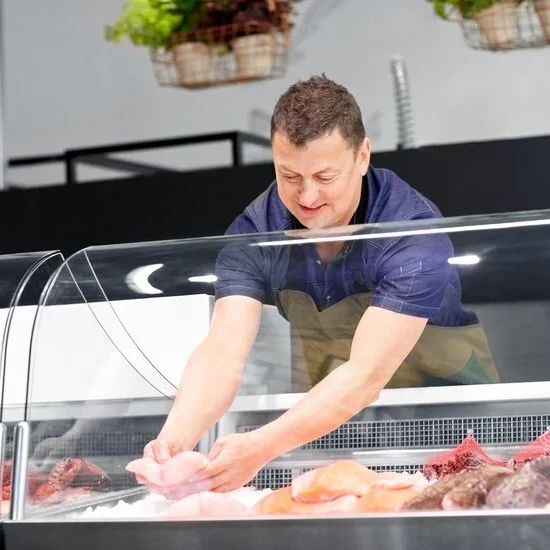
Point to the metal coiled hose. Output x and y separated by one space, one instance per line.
405 124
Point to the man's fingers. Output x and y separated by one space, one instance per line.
223 478
215 451
210 471
161 451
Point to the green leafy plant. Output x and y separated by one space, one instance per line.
151 23
466 8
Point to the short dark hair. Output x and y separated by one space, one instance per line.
314 108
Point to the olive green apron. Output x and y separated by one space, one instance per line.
321 341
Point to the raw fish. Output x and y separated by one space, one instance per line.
236 502
171 479
181 467
337 479
473 490
146 471
380 499
281 502
431 497
206 504
525 488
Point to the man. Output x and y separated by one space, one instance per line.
367 314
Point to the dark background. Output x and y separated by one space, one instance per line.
462 179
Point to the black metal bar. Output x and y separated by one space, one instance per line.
237 150
141 145
70 169
122 165
93 154
152 144
39 159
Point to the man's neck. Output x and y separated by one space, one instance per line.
327 251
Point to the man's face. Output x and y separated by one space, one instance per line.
320 184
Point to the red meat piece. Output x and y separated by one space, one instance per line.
466 457
537 448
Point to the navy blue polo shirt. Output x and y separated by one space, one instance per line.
409 274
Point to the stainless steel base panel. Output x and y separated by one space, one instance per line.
426 531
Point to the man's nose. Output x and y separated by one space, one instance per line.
309 194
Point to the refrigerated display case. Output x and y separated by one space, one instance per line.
117 324
23 278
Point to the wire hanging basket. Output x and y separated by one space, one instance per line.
226 54
509 25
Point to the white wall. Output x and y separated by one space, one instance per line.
128 350
67 87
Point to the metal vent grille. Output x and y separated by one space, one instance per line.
273 478
423 433
90 444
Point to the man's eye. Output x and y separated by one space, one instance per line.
326 179
291 178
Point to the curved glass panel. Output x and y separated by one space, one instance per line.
24 278
22 281
120 324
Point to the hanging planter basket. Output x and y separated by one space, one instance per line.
508 25
223 55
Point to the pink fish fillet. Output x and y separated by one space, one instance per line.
181 467
146 470
205 504
182 490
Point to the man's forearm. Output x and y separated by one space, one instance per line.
208 386
332 402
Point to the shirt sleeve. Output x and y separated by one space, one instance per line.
412 274
240 267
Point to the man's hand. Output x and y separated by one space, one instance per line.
235 461
159 450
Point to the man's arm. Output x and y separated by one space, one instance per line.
213 373
382 341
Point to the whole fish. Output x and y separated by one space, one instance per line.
474 488
430 498
525 488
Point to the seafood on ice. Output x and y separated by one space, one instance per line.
173 478
528 487
344 486
463 490
464 478
70 478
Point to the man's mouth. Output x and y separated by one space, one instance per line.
308 210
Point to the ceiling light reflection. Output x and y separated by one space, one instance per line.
468 259
138 279
203 279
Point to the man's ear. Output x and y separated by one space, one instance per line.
364 156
